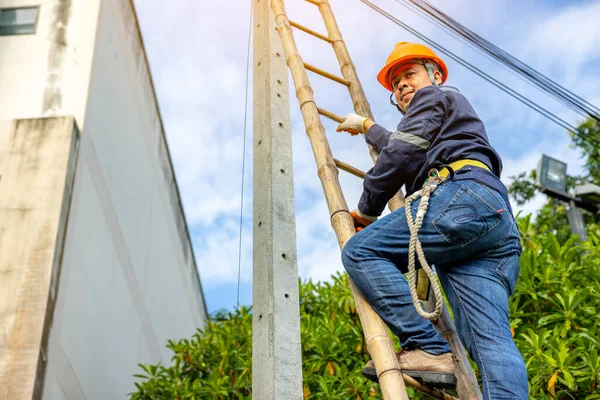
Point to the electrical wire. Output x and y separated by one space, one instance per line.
239 272
529 103
495 53
244 154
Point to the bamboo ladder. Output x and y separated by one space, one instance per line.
379 344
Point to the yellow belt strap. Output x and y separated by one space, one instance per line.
456 165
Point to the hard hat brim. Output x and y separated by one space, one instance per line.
385 80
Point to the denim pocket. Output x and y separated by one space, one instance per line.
468 216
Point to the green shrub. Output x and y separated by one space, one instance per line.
553 316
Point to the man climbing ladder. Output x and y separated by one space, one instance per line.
468 231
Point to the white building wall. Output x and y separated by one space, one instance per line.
47 73
128 280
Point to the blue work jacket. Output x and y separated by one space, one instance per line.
439 127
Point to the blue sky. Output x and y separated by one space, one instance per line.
197 52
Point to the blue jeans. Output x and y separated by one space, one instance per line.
472 239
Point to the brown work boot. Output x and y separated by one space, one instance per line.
435 370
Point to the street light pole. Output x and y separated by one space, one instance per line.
552 181
576 221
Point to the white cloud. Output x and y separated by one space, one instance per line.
572 34
217 253
320 263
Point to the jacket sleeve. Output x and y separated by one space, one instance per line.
405 152
378 137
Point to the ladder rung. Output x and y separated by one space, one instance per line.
330 115
315 2
326 74
349 168
310 31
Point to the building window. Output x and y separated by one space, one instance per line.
18 21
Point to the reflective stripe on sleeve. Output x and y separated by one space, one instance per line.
410 138
448 89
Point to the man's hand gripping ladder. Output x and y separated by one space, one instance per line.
415 246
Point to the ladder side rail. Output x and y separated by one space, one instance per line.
466 382
361 105
359 100
379 343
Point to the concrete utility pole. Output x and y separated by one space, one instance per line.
276 351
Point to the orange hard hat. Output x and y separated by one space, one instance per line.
404 51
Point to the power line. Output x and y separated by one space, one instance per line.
529 103
239 271
463 33
244 155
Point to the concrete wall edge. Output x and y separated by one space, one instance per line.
166 144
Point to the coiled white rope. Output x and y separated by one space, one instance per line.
415 247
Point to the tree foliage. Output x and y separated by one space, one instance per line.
216 362
553 314
590 129
552 217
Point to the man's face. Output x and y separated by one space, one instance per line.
407 79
